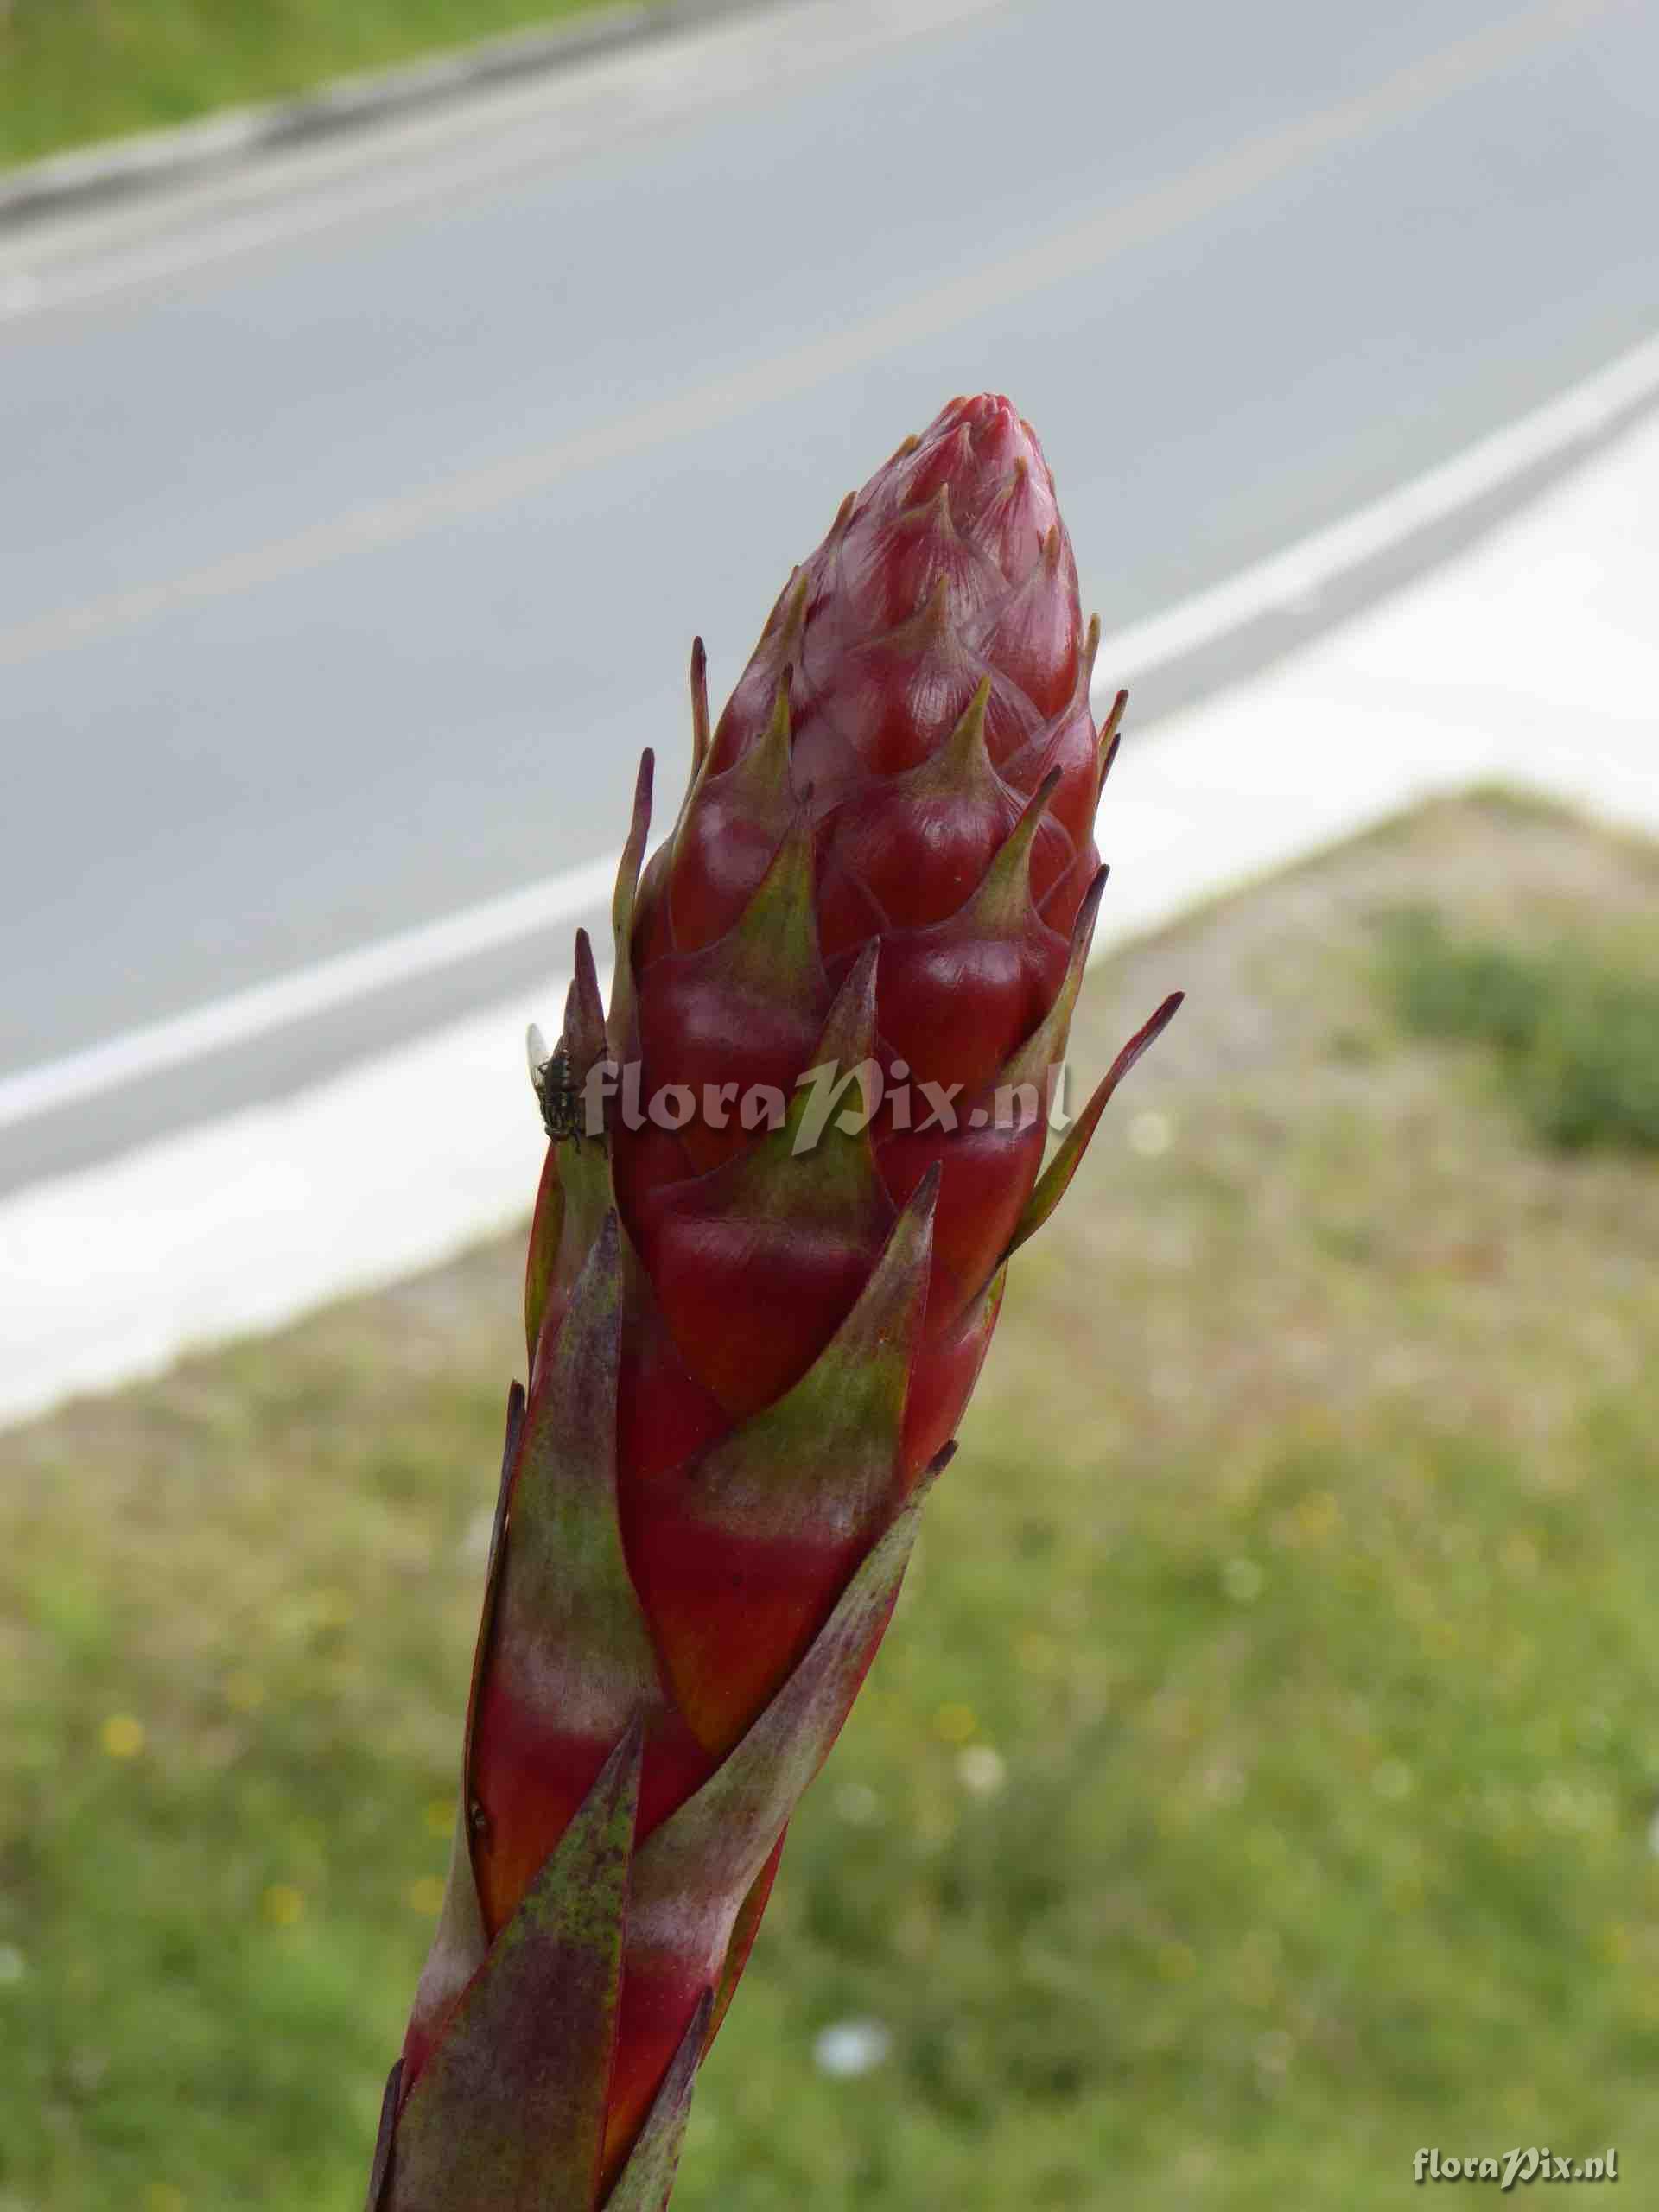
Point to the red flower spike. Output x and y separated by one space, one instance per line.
758 1292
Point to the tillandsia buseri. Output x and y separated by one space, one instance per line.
755 1307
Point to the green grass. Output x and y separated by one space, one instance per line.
1575 1025
71 71
1257 1781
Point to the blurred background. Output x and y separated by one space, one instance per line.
1260 1781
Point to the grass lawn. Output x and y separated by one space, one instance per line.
71 71
1257 1783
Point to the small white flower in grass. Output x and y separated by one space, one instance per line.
1274 2052
474 1546
13 1966
858 1805
1150 1134
981 1771
851 2048
1242 1579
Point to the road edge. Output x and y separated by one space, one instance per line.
156 160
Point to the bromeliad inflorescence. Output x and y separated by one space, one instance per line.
749 1352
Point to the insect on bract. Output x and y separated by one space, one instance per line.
558 1095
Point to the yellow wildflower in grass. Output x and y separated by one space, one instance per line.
425 1896
121 1735
282 1904
956 1723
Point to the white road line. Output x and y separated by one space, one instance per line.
106 1274
1301 571
1138 219
1294 574
256 1012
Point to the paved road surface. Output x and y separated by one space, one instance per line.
359 514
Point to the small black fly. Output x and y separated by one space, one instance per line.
558 1095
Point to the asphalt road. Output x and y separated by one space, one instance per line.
356 514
